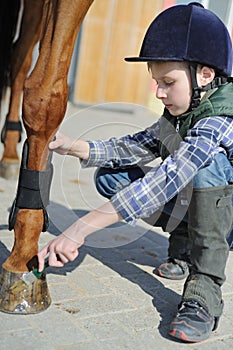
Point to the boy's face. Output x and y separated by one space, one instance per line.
173 85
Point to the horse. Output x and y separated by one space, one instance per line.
55 23
14 67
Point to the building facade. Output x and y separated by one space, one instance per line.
112 30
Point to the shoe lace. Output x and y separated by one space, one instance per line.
192 304
183 264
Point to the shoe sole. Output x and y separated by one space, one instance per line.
178 334
181 336
171 277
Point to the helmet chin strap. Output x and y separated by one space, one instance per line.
197 90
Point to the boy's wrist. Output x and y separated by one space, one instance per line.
80 149
78 241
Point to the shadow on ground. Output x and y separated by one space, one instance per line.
126 250
145 248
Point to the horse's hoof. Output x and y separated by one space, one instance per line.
16 297
9 170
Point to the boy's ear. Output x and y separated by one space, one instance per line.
207 75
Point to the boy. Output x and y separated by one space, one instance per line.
188 51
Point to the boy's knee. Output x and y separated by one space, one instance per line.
103 183
108 182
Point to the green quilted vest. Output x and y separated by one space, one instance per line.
216 102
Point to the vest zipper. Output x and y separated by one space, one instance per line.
178 125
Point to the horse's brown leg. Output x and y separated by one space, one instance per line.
21 62
10 160
44 106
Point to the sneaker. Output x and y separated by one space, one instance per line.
173 269
192 323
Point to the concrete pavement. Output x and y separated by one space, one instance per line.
109 298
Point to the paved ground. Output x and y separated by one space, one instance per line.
109 298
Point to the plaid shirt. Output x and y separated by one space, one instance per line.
144 196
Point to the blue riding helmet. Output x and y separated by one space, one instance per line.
188 33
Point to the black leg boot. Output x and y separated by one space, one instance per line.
210 219
177 265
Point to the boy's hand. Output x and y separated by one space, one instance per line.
65 145
61 250
62 144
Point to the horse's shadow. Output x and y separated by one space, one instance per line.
143 249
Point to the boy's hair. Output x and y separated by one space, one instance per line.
149 64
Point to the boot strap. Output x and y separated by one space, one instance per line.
33 189
13 126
